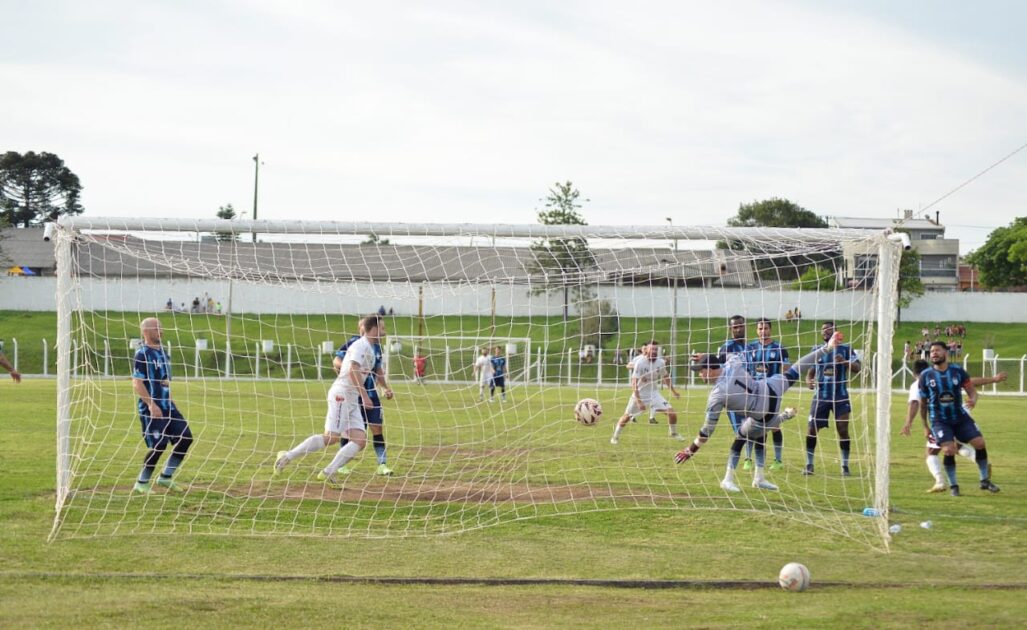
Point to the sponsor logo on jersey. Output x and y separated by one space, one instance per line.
947 397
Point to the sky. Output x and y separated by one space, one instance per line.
456 111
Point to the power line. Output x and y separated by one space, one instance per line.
924 210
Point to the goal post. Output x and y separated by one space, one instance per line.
252 312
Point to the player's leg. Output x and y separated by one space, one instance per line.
375 422
759 477
946 439
934 466
672 423
156 442
968 433
842 410
316 442
492 388
630 412
818 419
182 438
353 429
734 454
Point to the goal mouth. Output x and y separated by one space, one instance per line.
492 334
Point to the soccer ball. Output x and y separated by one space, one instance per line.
794 577
587 411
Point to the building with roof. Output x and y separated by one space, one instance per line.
939 256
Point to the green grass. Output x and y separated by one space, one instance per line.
966 571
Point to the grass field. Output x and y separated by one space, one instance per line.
720 565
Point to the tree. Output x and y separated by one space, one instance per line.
600 322
816 279
374 239
37 187
910 285
1002 260
775 212
226 212
562 262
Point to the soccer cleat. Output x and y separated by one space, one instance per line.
845 471
280 462
614 440
776 465
677 436
653 420
633 419
763 484
169 484
329 479
683 455
730 486
142 488
747 464
954 490
987 485
808 470
384 470
345 470
503 398
937 487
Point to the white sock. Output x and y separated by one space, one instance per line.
616 429
342 458
730 474
934 465
312 444
673 429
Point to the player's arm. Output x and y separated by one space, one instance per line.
912 410
971 393
357 376
139 385
379 377
988 380
15 374
634 392
337 364
670 385
811 378
855 365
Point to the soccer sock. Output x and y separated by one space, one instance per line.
343 442
950 469
312 444
934 466
174 461
811 447
150 461
761 452
379 447
845 444
779 440
735 453
982 463
342 458
748 450
617 428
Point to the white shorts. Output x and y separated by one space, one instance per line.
343 411
656 402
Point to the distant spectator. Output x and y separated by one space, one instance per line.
390 311
618 357
196 305
790 315
170 306
420 366
218 307
925 332
381 310
210 304
798 313
906 348
181 309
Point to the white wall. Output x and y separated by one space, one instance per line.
134 294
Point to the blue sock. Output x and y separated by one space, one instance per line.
761 454
845 444
982 463
379 447
146 473
950 469
748 450
174 461
733 457
778 444
811 447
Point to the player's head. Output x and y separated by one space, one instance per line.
373 327
939 352
919 366
151 330
826 330
764 328
652 349
708 366
737 326
498 350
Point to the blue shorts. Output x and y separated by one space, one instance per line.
820 411
373 415
964 430
172 426
499 381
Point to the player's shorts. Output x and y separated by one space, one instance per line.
655 402
736 418
373 415
931 442
820 411
172 426
964 430
499 381
343 411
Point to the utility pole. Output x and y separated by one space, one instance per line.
256 183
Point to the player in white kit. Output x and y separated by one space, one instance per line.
483 372
648 370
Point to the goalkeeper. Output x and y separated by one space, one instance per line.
734 389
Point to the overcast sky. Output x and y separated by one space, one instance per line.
469 111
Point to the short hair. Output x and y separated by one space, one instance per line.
919 366
940 343
828 323
371 321
739 318
765 320
652 342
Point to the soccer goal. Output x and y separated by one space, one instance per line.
253 312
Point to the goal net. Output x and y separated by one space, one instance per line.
252 314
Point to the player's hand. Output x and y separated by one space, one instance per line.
367 402
810 383
388 394
835 340
970 403
155 410
999 378
905 428
676 394
16 375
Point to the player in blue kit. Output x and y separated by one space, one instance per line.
767 358
736 346
498 374
372 417
162 423
940 387
829 380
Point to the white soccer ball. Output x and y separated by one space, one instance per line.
587 411
794 577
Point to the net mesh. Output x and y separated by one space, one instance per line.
251 328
